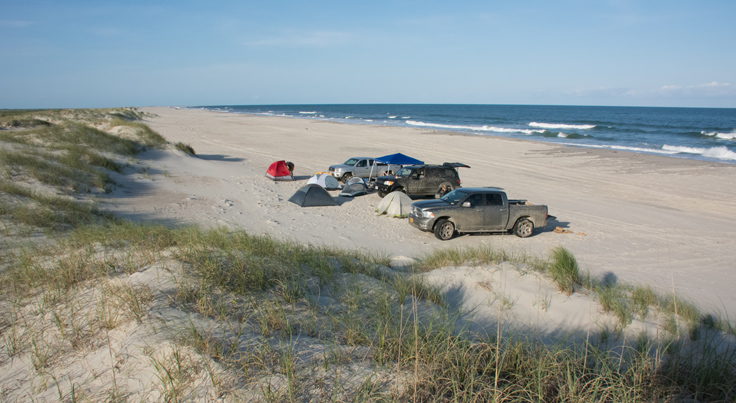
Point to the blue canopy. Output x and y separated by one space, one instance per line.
399 159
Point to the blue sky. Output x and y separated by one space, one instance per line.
138 53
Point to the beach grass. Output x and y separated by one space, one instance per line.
271 287
564 270
298 322
185 148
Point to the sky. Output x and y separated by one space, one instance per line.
101 53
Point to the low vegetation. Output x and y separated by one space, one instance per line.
185 148
227 315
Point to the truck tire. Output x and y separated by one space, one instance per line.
346 176
382 194
523 228
444 230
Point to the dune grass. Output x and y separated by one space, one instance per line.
271 303
186 148
273 288
622 300
564 270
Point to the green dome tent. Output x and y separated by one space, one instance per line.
312 195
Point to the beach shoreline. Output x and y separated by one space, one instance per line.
634 218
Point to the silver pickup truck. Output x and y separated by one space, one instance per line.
361 167
477 210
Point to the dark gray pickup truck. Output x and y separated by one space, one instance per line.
477 210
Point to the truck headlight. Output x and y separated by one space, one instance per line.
427 214
388 183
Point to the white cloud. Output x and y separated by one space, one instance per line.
713 88
303 39
704 90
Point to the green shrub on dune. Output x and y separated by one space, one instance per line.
564 270
186 148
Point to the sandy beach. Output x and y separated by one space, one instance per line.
120 311
633 218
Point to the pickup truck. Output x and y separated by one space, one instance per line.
477 210
362 167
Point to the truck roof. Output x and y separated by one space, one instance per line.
443 165
487 189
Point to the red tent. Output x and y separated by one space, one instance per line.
279 171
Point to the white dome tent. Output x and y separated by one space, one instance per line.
395 204
326 181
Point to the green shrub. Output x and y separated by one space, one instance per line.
186 148
642 298
613 299
564 270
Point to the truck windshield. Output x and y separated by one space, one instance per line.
404 172
455 196
351 161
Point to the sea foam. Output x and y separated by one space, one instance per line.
721 153
724 136
483 128
544 125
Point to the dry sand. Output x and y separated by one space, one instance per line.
639 219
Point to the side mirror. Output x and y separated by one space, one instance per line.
466 204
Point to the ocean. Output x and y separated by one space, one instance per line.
696 133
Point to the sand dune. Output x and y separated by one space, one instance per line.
638 219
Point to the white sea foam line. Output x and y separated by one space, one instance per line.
721 152
624 148
473 128
724 136
307 112
544 125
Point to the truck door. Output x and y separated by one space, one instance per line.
433 181
415 180
472 217
361 168
496 213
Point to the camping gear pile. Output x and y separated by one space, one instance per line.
314 193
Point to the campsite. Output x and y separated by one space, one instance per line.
292 202
226 268
395 203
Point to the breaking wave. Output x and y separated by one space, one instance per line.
544 125
724 136
483 128
563 135
721 153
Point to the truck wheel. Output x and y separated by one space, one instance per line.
346 176
382 194
444 230
523 228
